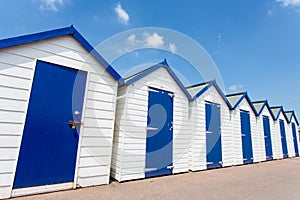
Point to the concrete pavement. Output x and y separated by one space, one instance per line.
278 179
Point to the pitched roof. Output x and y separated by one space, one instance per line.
20 40
131 79
290 115
198 89
237 98
276 112
260 105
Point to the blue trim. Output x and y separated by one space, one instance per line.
245 95
148 71
20 40
262 108
213 83
280 110
293 115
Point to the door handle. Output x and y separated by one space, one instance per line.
74 123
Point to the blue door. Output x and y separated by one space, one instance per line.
159 142
295 139
283 139
246 137
213 136
49 144
268 142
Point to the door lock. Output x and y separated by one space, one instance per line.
74 123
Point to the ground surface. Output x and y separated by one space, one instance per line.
278 179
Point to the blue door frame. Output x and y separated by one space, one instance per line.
49 145
267 134
295 139
246 137
283 139
213 136
159 142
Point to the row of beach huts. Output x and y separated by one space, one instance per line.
68 120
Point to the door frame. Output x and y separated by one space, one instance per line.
250 133
220 114
54 187
269 138
285 139
149 88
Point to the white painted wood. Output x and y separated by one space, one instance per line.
41 189
131 122
17 65
198 152
236 124
293 121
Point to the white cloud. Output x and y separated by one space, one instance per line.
286 3
51 4
219 38
154 40
172 47
122 14
270 12
131 39
235 87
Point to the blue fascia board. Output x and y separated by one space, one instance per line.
20 40
245 95
142 74
266 104
154 68
14 41
269 108
293 115
281 111
262 108
178 82
210 84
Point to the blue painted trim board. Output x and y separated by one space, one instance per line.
20 40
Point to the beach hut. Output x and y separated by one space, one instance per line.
293 126
266 125
244 123
152 131
281 125
57 105
211 142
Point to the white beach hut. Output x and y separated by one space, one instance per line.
244 128
57 105
211 142
152 131
269 143
293 126
281 125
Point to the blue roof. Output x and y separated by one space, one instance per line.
205 87
280 110
291 114
143 73
264 104
242 96
10 42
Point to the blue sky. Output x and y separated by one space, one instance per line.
255 44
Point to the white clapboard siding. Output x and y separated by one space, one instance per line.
293 121
17 65
279 153
274 143
281 117
236 123
198 142
289 139
128 160
237 137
